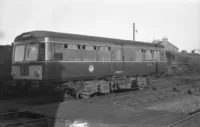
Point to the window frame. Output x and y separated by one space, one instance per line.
54 51
102 48
14 52
84 50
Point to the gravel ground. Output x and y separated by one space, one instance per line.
186 104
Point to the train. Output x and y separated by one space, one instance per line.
81 65
187 62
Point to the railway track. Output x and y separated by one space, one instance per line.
23 118
179 122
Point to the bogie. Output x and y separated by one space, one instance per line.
86 89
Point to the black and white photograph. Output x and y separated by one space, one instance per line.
99 63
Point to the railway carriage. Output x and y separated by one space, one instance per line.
5 66
83 65
188 62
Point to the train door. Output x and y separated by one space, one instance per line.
117 59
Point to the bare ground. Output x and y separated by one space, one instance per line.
172 100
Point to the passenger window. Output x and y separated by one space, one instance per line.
139 55
89 53
72 52
152 54
129 54
104 48
116 53
89 47
157 55
149 55
143 54
72 46
104 53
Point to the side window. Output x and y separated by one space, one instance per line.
157 55
152 54
72 52
149 55
89 53
89 47
116 53
139 55
72 46
104 53
143 54
129 54
58 51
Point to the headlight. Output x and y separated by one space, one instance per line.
13 73
37 73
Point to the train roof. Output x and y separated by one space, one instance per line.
51 34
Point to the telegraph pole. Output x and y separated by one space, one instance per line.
134 31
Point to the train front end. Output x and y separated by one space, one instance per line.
28 61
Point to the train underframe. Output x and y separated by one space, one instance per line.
83 89
86 89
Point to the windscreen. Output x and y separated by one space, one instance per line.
30 51
19 53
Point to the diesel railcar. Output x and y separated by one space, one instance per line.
83 65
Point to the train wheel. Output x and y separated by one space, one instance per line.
143 82
83 96
80 95
66 93
77 96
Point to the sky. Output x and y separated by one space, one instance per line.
178 20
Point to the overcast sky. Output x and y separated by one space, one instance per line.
178 20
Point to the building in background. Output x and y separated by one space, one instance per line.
170 49
197 51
